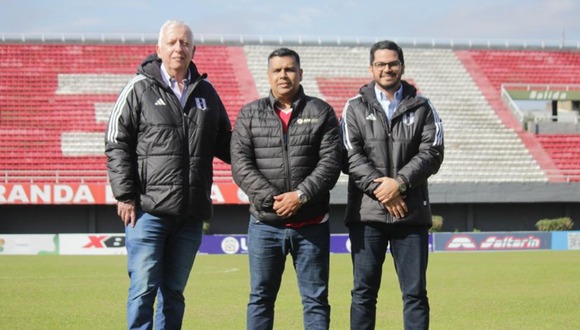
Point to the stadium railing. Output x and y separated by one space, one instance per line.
50 176
233 39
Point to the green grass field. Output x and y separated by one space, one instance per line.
495 290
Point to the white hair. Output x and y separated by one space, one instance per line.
169 23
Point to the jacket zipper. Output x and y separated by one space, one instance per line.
285 138
185 126
388 129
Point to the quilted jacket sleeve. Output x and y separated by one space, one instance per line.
245 171
358 165
120 143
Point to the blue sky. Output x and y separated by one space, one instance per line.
457 19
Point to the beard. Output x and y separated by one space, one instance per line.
393 84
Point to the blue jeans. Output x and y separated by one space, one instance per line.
267 248
160 254
409 247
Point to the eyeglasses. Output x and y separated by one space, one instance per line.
392 65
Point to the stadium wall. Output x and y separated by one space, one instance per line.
233 219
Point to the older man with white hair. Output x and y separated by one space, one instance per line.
164 131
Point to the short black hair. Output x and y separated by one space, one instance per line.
281 52
387 44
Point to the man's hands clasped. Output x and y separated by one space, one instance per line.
287 204
388 195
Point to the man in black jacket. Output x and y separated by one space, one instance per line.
163 133
393 141
286 156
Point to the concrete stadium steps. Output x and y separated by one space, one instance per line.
564 151
316 62
474 128
56 99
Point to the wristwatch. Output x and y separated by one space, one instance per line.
302 198
403 186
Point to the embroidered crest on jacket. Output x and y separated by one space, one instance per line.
201 103
409 118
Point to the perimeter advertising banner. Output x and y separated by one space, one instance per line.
238 244
27 244
112 244
78 194
493 241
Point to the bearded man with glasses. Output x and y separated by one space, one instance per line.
393 142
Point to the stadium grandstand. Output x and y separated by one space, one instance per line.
506 165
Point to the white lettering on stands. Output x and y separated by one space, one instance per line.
37 194
242 196
109 198
46 194
548 95
216 194
62 194
18 195
84 195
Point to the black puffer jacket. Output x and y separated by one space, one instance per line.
410 145
159 153
265 165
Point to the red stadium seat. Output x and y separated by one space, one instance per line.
38 107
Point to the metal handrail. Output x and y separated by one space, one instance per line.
521 116
57 176
547 87
427 42
94 176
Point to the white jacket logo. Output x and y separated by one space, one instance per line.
409 118
371 117
201 103
302 121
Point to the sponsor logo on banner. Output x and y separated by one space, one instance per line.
92 244
492 241
224 244
460 242
573 239
511 242
105 241
230 245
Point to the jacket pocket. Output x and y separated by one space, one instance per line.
418 205
143 175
